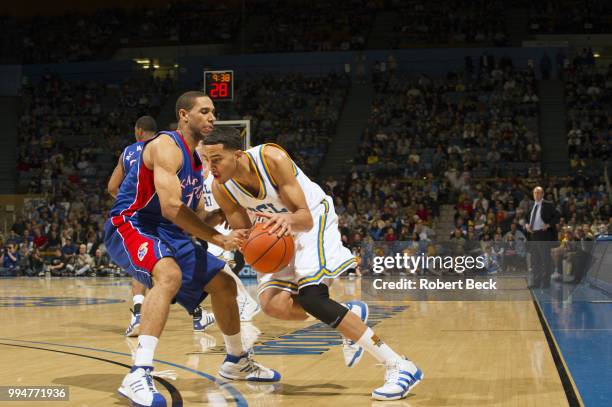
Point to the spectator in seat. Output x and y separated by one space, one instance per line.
69 251
83 262
9 260
57 265
40 241
53 240
101 266
36 263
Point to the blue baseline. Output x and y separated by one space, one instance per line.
582 328
238 398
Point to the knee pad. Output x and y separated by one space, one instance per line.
239 260
315 301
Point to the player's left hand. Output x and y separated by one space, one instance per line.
278 223
234 240
217 217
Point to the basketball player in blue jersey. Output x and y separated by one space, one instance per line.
265 180
144 130
149 233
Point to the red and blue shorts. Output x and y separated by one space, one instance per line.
137 248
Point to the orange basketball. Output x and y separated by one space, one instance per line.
267 253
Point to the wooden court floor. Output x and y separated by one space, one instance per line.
69 332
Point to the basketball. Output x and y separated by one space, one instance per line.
267 253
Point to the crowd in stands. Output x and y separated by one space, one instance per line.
185 23
570 17
69 37
443 23
588 95
76 37
69 129
291 26
284 27
62 236
296 111
490 219
429 141
373 208
432 141
70 135
483 120
318 25
495 213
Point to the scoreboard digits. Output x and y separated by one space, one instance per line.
219 85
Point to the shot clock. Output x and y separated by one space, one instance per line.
219 85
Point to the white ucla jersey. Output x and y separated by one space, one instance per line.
268 199
209 202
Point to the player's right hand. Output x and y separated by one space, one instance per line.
234 240
278 223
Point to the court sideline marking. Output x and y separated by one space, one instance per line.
238 398
177 399
571 392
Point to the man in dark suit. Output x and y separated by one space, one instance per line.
543 219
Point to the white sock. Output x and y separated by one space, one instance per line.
138 299
145 351
376 347
233 344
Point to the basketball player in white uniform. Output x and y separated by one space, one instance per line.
247 306
265 180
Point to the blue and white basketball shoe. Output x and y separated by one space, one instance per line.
245 368
401 376
133 328
139 388
202 320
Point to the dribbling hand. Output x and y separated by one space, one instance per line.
277 223
234 240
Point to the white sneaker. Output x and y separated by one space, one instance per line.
401 377
351 350
139 388
247 307
133 328
245 368
207 319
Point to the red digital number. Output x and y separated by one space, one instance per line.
223 90
214 90
218 90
